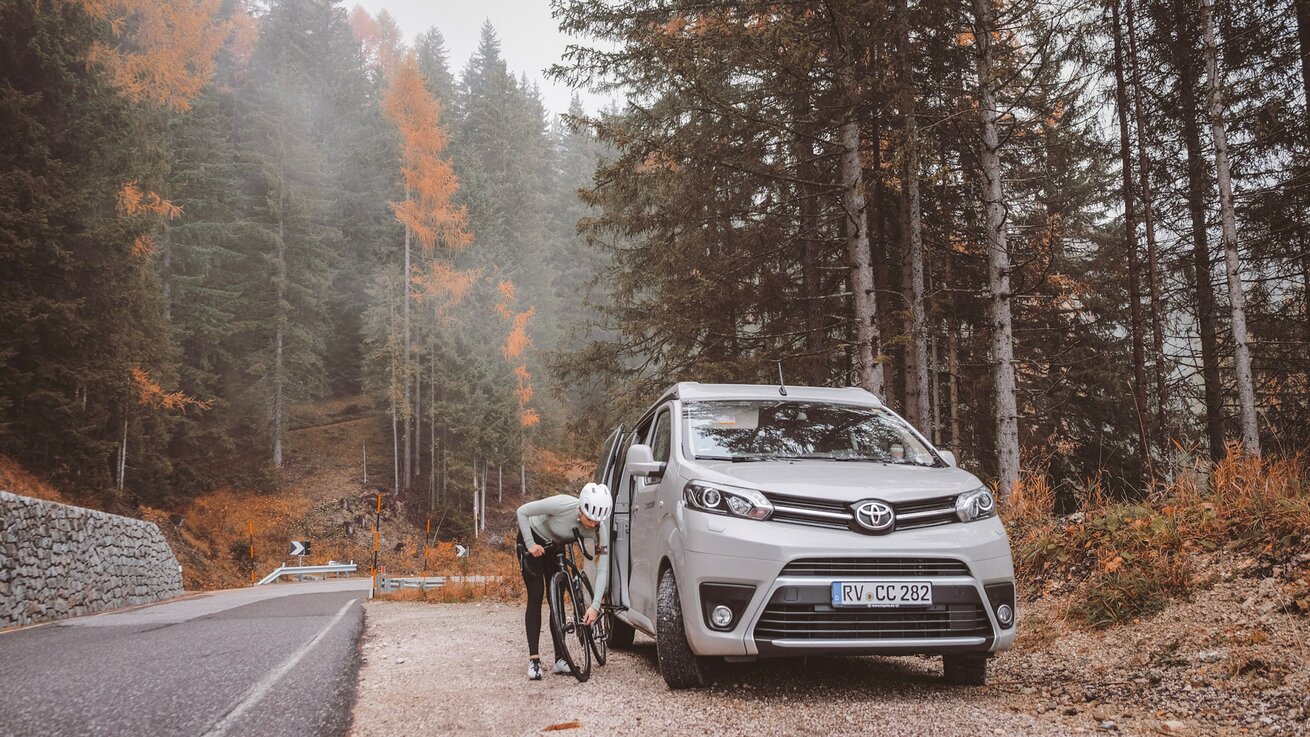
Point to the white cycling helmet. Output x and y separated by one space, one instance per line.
595 502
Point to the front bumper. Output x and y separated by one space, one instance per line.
790 613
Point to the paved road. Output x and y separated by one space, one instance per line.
274 660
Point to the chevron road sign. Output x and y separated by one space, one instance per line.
461 551
299 547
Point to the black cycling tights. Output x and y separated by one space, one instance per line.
536 576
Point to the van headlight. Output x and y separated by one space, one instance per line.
975 505
733 501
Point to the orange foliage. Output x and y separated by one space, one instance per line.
558 469
445 285
241 45
506 289
430 183
529 418
163 52
379 39
151 394
518 340
132 201
515 344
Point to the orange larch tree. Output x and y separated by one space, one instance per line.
516 344
429 214
163 52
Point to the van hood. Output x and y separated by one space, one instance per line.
837 480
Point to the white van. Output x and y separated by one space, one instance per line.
758 521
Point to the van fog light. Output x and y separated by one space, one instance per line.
721 616
1004 615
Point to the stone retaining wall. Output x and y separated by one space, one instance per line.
60 561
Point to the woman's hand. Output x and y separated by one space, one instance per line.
536 551
590 617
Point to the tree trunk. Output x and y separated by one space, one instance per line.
1162 434
1202 261
863 298
1303 38
408 408
919 404
432 432
166 269
280 318
998 260
1130 247
1228 222
815 367
953 359
122 458
935 394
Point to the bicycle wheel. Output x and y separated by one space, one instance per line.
566 624
600 629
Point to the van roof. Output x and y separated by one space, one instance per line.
692 391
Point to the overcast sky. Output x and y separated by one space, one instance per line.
530 40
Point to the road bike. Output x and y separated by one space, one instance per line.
569 596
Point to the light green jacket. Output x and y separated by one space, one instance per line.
555 519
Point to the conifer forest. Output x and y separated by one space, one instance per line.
1063 239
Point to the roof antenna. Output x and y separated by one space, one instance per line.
782 385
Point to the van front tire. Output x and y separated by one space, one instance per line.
965 669
680 667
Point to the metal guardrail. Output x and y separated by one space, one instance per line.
395 583
285 570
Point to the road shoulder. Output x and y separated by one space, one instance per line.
461 669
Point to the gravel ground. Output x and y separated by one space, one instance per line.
461 669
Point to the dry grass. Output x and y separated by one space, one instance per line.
1126 560
15 480
555 470
498 567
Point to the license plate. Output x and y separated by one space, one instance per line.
881 593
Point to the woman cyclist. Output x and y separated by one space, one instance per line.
558 519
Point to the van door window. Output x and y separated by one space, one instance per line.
660 438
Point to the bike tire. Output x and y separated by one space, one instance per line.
600 629
566 624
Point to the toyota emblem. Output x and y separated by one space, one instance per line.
875 516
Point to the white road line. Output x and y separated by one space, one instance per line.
258 691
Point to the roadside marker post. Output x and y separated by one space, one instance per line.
251 526
377 523
301 549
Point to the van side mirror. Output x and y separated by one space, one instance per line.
641 462
947 456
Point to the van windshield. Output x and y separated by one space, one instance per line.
750 430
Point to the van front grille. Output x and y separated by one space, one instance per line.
879 567
837 515
821 622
